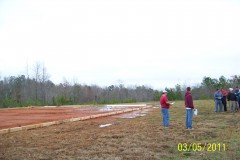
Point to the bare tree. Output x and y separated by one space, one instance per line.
44 78
37 78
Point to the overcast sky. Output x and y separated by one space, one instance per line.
158 43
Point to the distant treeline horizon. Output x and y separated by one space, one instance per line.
39 90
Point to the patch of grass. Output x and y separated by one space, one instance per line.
133 139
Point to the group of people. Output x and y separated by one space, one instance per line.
221 97
165 105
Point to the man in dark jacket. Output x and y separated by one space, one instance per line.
189 108
236 91
232 98
224 99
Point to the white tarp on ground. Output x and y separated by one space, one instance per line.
105 125
111 107
126 105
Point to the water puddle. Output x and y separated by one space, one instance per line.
117 107
133 114
106 108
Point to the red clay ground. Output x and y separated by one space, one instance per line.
27 116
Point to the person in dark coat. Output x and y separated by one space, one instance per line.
237 93
224 99
189 108
232 98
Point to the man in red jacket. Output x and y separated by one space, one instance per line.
189 108
165 105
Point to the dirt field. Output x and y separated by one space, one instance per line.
18 117
129 138
27 116
75 140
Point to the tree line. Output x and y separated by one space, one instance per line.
21 91
39 90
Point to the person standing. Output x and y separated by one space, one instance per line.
218 100
232 98
165 105
189 108
236 91
224 99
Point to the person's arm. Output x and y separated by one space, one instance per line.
167 101
191 101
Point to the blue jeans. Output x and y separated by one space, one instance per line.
165 117
218 103
189 116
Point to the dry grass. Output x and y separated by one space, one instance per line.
133 139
